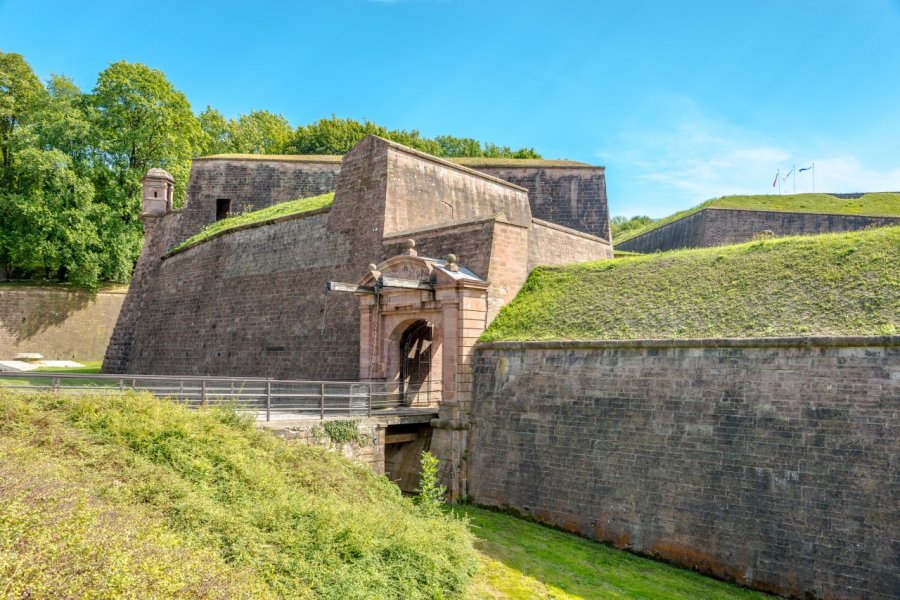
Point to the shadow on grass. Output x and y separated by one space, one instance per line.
521 559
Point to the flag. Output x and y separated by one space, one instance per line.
806 169
776 177
788 175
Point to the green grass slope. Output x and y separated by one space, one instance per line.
875 204
256 217
128 496
836 284
525 560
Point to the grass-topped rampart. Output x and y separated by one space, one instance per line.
255 218
885 204
113 496
835 284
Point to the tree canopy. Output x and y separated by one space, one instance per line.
71 162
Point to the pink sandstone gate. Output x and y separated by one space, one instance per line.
419 321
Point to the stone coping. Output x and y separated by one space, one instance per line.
798 212
310 158
466 161
407 233
28 287
758 210
765 342
569 230
449 164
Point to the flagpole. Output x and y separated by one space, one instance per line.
814 177
794 172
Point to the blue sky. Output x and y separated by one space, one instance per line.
681 100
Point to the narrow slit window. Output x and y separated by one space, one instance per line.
223 209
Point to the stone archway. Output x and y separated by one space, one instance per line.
417 311
415 361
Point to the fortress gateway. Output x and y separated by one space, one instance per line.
252 302
766 461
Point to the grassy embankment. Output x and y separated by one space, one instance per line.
877 204
257 217
836 284
129 496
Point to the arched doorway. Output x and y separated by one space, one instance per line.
415 360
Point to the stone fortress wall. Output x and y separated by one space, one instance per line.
771 463
714 226
57 323
253 302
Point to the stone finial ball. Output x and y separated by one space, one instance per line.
410 243
451 258
373 267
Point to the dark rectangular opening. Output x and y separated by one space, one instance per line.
223 208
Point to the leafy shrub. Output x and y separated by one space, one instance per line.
343 432
431 493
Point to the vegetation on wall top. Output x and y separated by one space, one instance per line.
874 204
834 284
256 217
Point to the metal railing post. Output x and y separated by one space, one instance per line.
203 393
56 384
268 400
322 401
122 384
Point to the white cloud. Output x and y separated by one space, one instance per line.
848 174
694 156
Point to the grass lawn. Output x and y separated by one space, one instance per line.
835 284
90 366
880 203
524 560
256 217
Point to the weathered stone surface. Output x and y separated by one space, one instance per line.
719 226
253 301
574 197
57 323
251 185
768 462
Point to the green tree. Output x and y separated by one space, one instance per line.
142 121
339 136
620 224
216 137
260 132
139 121
50 223
21 97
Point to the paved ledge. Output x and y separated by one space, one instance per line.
768 342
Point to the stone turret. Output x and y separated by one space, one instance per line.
159 188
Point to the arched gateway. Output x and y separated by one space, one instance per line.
419 320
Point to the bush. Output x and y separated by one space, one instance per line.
431 493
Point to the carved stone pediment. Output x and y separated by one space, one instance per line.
414 269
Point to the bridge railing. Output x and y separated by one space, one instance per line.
268 398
